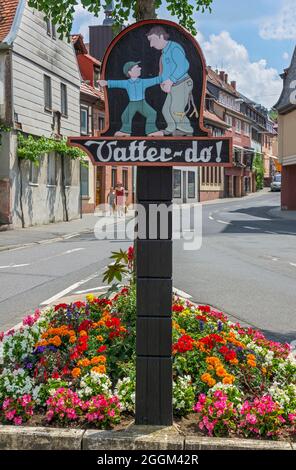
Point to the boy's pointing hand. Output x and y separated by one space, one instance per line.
102 83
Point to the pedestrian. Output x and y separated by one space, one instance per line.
120 199
111 199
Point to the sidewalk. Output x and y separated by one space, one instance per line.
225 200
286 215
58 231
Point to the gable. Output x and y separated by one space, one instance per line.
284 105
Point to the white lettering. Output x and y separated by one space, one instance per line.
206 154
191 154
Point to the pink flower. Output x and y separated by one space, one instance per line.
250 418
10 415
1 336
18 421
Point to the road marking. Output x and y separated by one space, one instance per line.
251 228
71 235
211 216
91 290
275 259
14 266
223 222
68 289
181 293
271 233
72 251
293 264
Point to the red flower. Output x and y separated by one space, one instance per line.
178 308
204 308
85 325
228 354
131 253
102 302
55 375
102 349
211 339
79 304
60 306
201 318
185 343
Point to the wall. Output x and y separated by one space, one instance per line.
35 54
287 141
42 204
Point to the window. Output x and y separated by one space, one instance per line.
125 179
47 93
228 120
113 177
48 27
53 31
64 100
191 184
84 120
96 77
238 126
101 123
51 170
246 128
177 183
84 179
34 173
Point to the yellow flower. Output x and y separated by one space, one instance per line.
90 297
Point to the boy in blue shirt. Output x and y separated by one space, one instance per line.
136 88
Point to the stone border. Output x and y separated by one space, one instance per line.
133 438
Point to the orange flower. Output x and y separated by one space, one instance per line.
84 362
211 368
221 372
229 379
234 361
100 338
76 372
56 341
99 369
83 333
72 339
264 370
213 361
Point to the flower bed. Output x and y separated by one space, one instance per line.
74 365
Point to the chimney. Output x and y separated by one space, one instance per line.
222 75
233 84
226 78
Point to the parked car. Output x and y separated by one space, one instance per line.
276 184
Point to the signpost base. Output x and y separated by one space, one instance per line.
154 302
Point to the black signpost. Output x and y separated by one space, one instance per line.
154 76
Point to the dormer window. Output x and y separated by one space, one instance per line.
96 77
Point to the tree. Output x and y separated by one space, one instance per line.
62 12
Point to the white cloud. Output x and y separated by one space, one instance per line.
83 19
286 56
254 79
282 25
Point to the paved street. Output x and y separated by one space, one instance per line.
246 267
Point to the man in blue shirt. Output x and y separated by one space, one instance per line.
176 82
136 88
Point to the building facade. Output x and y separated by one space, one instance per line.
286 107
39 96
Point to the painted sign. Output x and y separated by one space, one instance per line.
154 80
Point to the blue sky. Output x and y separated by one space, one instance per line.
252 40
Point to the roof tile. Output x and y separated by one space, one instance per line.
7 13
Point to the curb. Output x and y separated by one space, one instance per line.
133 438
56 239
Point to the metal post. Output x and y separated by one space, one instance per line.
154 304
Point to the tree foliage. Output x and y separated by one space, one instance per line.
258 166
33 148
62 11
